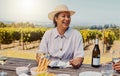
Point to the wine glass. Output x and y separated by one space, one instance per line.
107 69
115 56
3 59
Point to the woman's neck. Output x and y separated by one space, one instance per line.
61 31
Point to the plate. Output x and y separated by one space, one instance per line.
23 74
62 75
90 73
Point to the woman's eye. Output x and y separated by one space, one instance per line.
68 16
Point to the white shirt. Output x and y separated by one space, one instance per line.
64 48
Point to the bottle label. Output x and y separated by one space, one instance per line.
96 42
96 61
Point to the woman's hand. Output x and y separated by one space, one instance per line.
76 62
116 66
37 58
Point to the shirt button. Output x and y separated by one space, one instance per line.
60 49
60 58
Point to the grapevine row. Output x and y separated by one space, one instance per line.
9 35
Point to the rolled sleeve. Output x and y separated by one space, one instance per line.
79 51
43 47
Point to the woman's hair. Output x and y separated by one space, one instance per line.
54 21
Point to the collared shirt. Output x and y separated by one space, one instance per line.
65 47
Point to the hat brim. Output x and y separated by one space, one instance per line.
52 14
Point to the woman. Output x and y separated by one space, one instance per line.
62 43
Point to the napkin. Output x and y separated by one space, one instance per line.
59 64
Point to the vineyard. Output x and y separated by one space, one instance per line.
23 36
26 36
23 42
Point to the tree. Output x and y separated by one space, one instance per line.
2 24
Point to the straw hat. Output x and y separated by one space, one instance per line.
58 9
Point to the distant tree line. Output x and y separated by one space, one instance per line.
17 25
106 26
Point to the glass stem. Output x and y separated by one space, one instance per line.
2 67
3 73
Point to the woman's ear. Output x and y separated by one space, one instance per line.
56 19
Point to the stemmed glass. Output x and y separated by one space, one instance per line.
115 56
3 59
107 69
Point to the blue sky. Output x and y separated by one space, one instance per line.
88 12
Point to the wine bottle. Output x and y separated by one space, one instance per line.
96 54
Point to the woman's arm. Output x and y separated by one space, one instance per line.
43 45
78 51
76 62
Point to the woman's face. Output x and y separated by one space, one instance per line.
63 20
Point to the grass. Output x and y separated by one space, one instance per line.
20 54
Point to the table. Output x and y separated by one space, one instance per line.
12 63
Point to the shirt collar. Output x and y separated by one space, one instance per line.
66 34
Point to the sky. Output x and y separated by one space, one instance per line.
88 12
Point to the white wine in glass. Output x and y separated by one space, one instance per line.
115 56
